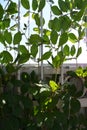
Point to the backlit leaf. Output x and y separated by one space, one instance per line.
53 85
72 37
26 14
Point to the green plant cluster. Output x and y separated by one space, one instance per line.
27 104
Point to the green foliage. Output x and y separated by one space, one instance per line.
72 37
53 86
2 11
81 72
46 55
73 50
66 50
17 38
37 19
35 39
41 5
63 5
22 49
28 104
5 57
34 50
34 4
25 4
54 37
12 8
79 51
63 39
56 10
8 37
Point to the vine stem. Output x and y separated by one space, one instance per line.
41 47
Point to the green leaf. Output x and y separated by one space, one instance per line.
79 51
46 55
72 37
23 49
55 24
13 28
8 37
2 39
71 74
66 50
37 30
57 60
25 4
12 8
10 68
23 58
26 14
79 3
63 5
79 71
53 86
75 105
34 50
63 39
46 39
34 4
54 37
6 57
56 10
35 39
47 32
41 5
37 19
79 15
1 11
6 23
73 50
25 77
65 22
17 38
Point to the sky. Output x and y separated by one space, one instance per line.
46 14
